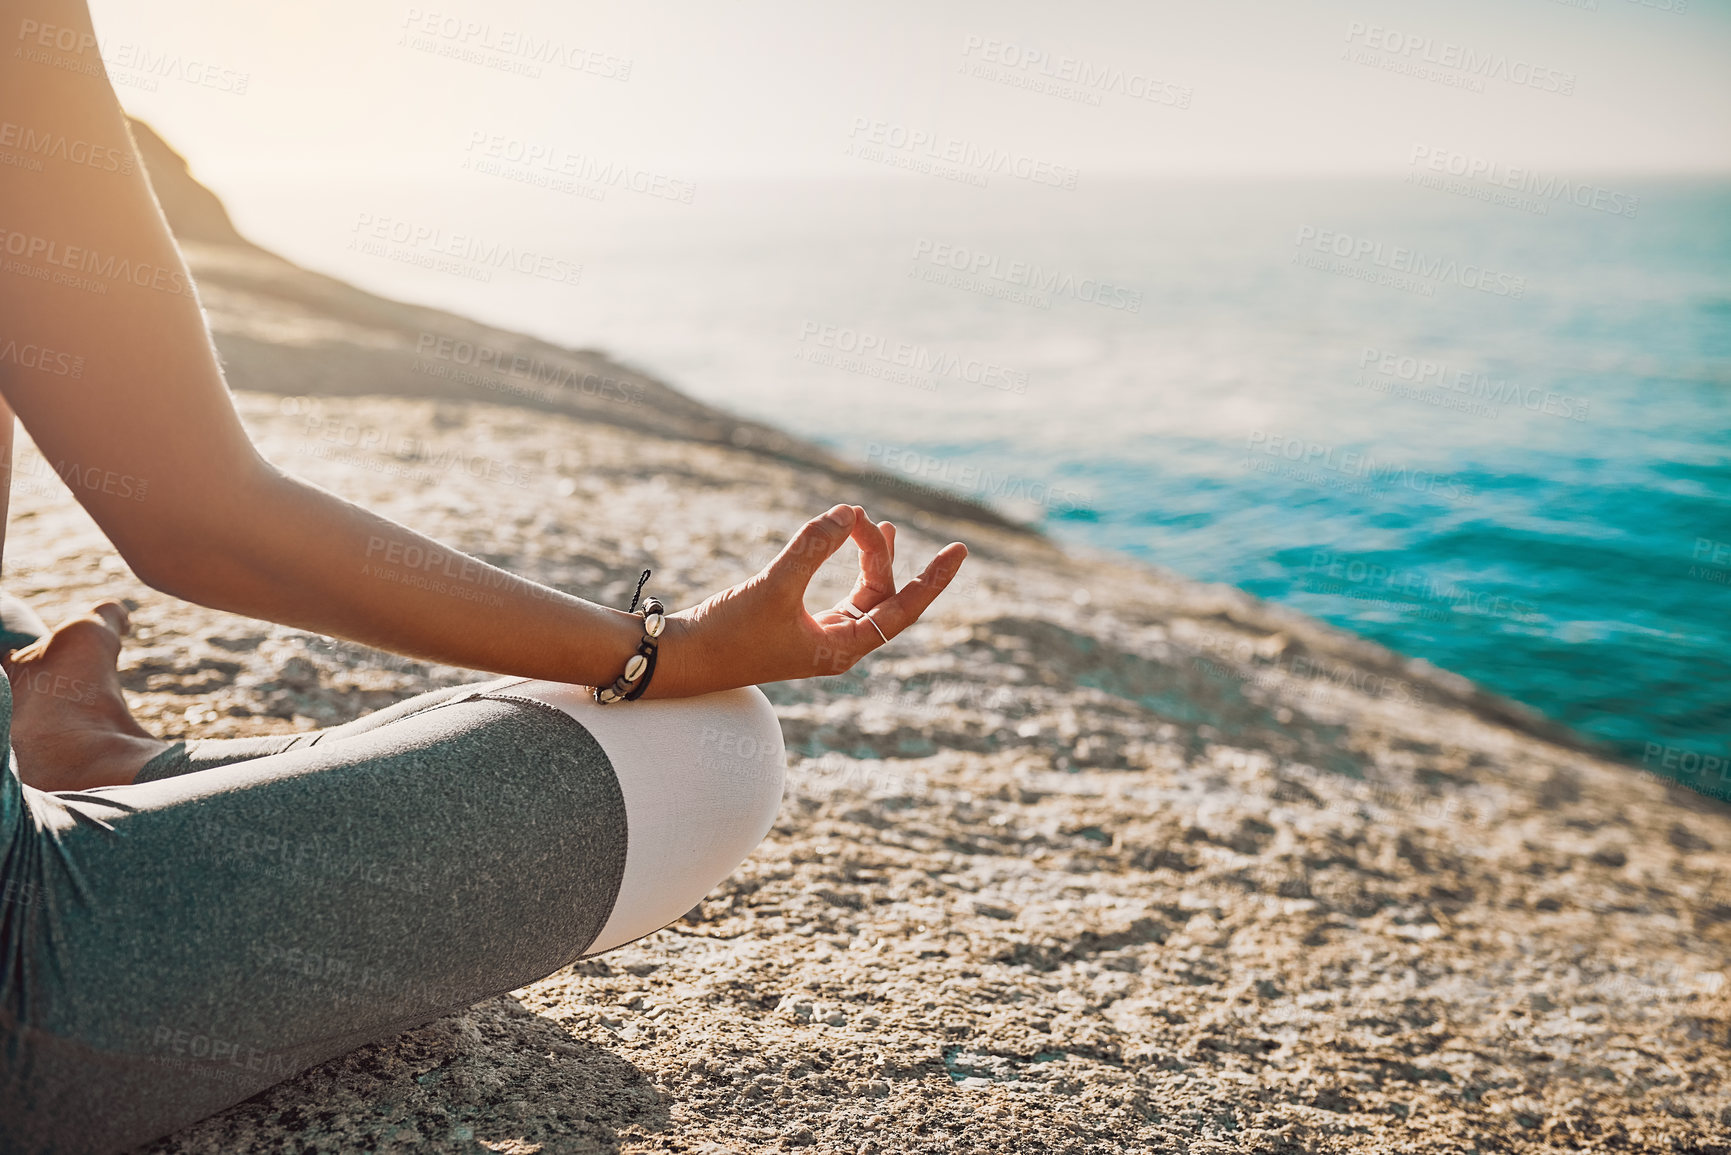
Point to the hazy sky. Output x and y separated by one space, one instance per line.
763 87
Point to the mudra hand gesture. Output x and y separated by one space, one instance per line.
759 630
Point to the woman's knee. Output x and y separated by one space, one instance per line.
701 779
710 766
719 787
741 752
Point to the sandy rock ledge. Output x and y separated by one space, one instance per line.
1090 860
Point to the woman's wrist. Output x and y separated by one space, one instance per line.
620 636
673 672
639 670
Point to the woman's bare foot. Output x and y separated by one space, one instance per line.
71 727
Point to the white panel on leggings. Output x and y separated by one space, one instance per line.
702 781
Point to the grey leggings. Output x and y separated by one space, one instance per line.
253 907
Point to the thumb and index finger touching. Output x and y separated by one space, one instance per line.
814 544
893 610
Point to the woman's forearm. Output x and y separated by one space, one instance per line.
296 554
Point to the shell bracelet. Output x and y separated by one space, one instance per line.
640 666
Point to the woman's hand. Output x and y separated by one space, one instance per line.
759 631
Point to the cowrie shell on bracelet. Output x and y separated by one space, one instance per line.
654 624
635 667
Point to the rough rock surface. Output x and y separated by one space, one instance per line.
1093 859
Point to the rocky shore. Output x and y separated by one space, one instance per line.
1093 859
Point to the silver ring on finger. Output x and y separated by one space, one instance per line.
867 619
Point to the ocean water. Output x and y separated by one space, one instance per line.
1495 436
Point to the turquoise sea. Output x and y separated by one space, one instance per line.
1488 429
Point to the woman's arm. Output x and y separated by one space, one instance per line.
149 441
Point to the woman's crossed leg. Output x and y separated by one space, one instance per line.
252 907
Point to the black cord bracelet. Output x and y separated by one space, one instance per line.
640 666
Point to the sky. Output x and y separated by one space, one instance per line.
369 89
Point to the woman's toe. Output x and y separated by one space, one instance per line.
114 615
